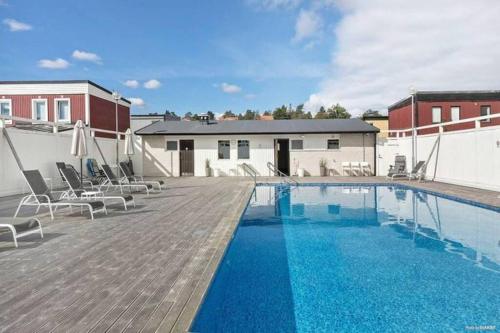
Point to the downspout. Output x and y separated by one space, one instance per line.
375 153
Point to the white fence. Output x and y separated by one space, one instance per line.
464 157
39 150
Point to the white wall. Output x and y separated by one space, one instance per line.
136 124
469 157
40 151
158 162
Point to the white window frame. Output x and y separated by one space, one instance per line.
333 149
489 112
238 149
440 114
33 110
218 157
456 107
56 110
8 101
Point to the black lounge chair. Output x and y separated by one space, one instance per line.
115 182
77 191
95 170
22 229
137 179
42 196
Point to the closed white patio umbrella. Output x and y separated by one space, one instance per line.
129 143
79 145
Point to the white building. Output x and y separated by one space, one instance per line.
182 148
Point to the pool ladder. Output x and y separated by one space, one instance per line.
284 178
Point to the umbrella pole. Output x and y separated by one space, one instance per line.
81 171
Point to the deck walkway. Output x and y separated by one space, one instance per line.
141 270
128 271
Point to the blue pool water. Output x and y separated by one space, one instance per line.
356 259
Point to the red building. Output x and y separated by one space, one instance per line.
64 102
444 106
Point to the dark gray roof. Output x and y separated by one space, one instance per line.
298 126
63 82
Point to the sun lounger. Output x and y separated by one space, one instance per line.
42 196
113 181
398 168
22 229
77 191
86 181
136 179
416 173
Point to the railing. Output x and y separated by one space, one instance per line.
249 172
4 120
476 120
280 174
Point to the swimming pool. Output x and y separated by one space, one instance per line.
362 258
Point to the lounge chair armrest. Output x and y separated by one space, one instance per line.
44 196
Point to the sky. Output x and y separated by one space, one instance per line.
218 55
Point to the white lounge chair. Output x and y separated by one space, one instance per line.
346 166
22 229
138 179
77 191
355 168
365 168
42 196
113 181
416 173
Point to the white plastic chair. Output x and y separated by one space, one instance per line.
365 168
355 168
346 166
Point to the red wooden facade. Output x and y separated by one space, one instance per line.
102 116
101 105
22 105
470 104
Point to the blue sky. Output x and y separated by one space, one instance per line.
259 54
207 55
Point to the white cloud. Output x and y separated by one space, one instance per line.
16 25
308 24
53 64
274 4
136 101
131 83
152 84
386 46
250 96
230 88
86 56
3 3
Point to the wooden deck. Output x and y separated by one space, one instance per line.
142 270
128 271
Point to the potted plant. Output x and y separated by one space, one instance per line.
207 167
323 167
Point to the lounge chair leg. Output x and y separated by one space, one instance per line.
18 208
51 213
124 203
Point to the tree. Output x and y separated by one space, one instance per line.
228 114
250 115
338 112
170 116
322 114
281 113
267 113
211 115
371 113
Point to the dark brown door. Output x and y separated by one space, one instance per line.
186 158
282 155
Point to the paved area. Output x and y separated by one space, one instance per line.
141 270
128 271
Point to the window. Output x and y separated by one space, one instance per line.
298 144
436 114
333 144
455 113
39 109
224 148
171 145
485 110
243 149
63 110
6 109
